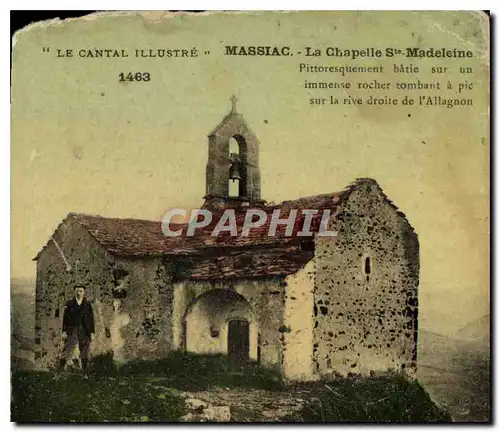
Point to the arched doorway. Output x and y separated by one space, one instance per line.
221 321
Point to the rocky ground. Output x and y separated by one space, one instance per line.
245 405
68 397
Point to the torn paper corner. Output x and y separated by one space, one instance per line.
58 22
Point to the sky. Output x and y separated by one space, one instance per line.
82 141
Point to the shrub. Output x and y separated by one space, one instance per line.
189 371
381 398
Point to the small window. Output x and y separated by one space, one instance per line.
307 245
368 267
119 274
214 332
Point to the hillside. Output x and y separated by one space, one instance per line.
456 373
22 318
477 330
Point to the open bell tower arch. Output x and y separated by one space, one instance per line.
232 173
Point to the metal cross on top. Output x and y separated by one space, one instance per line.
233 100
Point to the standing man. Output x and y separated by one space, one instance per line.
78 328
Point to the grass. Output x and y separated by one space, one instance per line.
151 392
137 391
383 398
37 397
192 372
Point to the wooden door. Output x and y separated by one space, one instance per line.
238 344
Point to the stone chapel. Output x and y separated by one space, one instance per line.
309 307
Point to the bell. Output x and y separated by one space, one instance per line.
234 170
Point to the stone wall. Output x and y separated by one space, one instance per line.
365 300
131 298
146 310
299 324
266 300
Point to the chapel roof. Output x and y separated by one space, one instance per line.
207 256
137 237
245 263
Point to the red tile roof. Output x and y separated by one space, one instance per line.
131 237
224 255
265 262
135 237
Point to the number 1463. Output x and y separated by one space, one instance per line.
134 76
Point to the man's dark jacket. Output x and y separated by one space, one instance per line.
70 318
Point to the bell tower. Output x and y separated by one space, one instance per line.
233 174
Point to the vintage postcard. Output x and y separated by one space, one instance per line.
251 217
